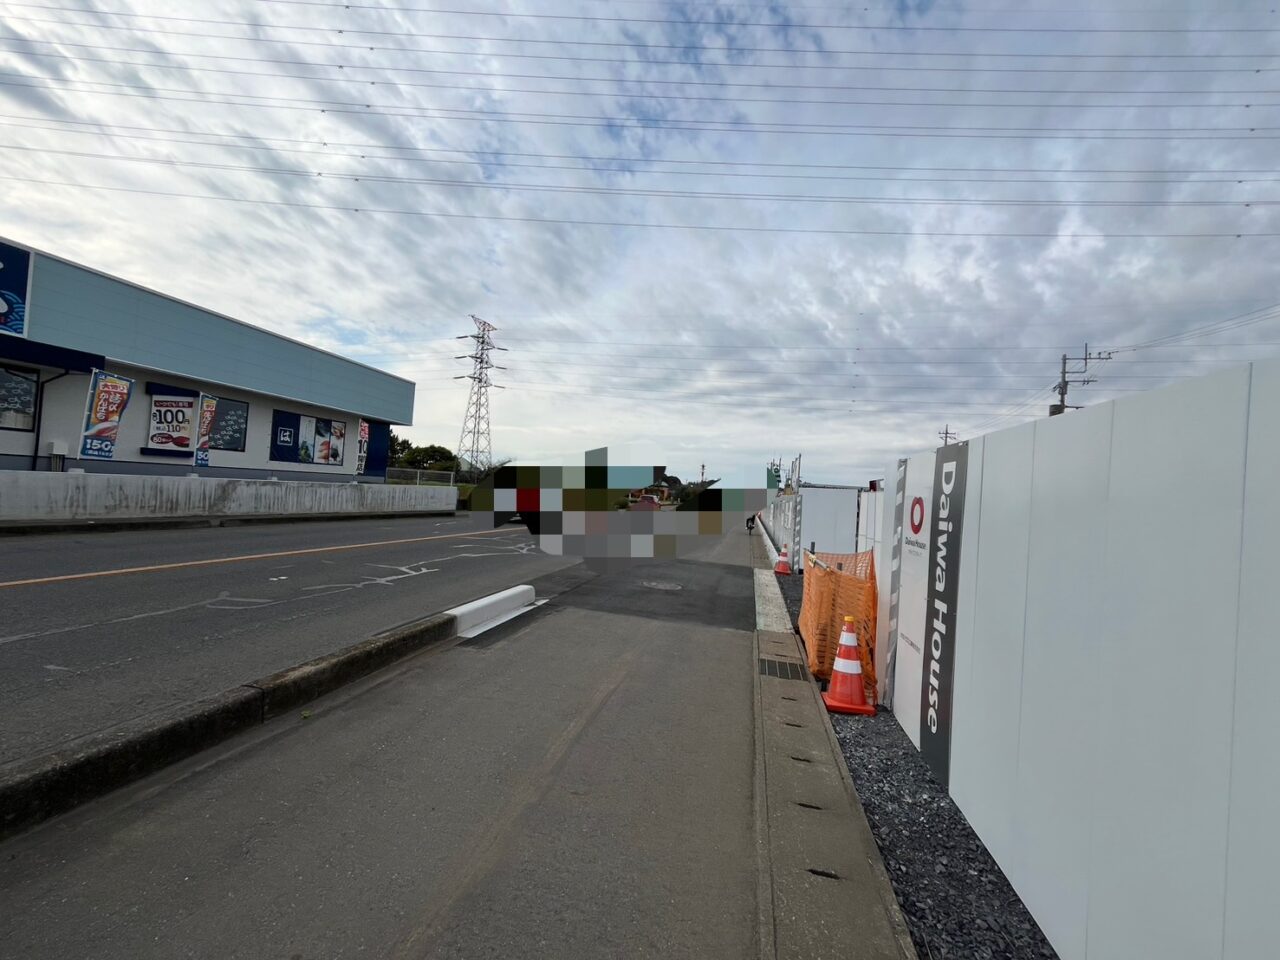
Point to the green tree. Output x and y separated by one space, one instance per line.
429 457
400 447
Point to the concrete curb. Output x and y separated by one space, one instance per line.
488 608
283 691
35 790
45 786
170 523
769 545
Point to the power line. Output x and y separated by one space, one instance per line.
593 121
719 174
649 61
631 44
755 398
647 81
852 380
585 190
774 24
733 101
1247 318
561 221
469 155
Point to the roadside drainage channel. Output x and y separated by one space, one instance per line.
824 890
34 790
955 899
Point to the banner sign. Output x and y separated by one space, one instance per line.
299 439
913 575
108 396
15 281
208 410
172 422
949 476
895 579
362 450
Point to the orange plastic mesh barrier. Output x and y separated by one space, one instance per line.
858 564
830 595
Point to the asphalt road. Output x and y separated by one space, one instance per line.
575 783
86 646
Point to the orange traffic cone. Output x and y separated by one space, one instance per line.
783 565
845 695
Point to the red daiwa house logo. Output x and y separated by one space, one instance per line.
917 515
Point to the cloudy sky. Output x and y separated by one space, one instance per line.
727 231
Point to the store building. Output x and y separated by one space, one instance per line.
197 386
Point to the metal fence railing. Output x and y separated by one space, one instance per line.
420 478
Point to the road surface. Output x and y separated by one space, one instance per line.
86 645
576 783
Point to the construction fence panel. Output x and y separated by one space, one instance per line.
1111 735
839 585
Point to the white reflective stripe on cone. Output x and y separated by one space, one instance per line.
851 642
847 666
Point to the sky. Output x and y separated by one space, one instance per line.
720 232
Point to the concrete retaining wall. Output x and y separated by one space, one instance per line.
69 497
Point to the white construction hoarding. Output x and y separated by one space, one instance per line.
1113 643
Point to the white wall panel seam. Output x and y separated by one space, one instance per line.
1096 732
1026 580
977 565
1235 655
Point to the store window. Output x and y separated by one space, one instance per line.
18 398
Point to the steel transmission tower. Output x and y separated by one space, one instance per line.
474 445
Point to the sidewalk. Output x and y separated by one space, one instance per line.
579 783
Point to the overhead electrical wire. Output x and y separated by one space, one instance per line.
633 44
772 24
1248 318
755 398
647 81
470 154
582 190
779 128
719 174
650 62
732 101
563 221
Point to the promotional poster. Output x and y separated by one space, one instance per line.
362 450
108 397
299 439
208 411
172 422
15 280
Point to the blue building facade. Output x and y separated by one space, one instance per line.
273 407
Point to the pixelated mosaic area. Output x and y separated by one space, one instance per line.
574 510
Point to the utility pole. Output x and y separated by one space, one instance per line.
474 444
1065 379
702 474
946 435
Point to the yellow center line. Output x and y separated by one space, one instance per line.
251 556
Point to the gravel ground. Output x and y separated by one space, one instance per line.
957 902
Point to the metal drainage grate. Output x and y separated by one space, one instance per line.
782 669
